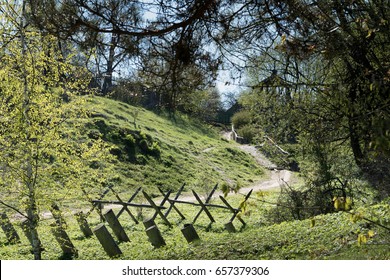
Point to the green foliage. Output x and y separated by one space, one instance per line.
342 203
249 132
241 119
35 138
227 188
42 160
203 105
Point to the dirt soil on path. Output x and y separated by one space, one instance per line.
276 177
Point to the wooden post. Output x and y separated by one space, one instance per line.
9 229
155 237
63 239
190 233
230 227
57 215
149 223
83 224
116 226
106 241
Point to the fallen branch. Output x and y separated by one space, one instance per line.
276 145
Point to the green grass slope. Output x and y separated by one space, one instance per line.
157 151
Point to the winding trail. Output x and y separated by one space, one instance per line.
276 178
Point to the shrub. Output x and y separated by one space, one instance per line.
242 118
130 145
155 149
248 132
94 134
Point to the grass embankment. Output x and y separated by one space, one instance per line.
158 151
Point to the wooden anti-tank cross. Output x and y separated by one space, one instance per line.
236 211
96 204
125 207
158 208
172 203
203 206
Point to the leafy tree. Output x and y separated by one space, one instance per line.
334 58
103 52
350 38
42 157
202 104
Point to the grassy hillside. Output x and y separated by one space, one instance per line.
153 151
157 151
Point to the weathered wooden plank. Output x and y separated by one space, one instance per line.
63 240
127 204
155 236
83 224
57 215
190 233
116 226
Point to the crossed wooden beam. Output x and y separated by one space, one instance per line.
158 208
204 205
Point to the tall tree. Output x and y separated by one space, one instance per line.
40 162
103 51
353 36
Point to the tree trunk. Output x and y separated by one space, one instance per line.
33 224
31 209
355 142
107 83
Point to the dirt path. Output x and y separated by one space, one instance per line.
275 179
258 156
